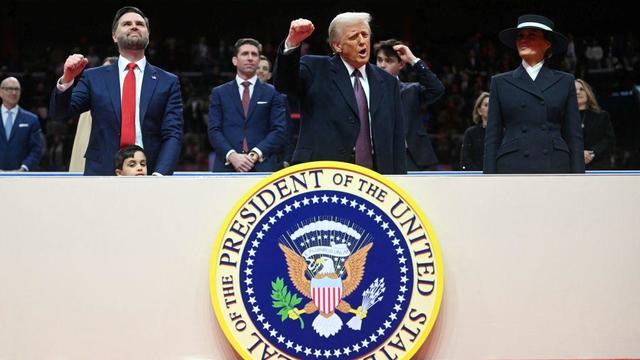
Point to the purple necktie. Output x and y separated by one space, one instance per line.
363 143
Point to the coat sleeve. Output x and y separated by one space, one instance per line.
72 102
493 136
399 150
171 131
431 88
275 139
218 140
465 152
287 72
35 146
572 130
608 138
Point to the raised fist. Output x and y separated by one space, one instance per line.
73 66
299 30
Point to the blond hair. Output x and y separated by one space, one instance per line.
341 20
477 119
592 102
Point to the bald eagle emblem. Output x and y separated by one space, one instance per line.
328 271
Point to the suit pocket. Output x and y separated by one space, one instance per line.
302 155
508 148
559 144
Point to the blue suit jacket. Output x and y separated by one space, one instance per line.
98 90
24 145
329 122
264 128
533 126
427 90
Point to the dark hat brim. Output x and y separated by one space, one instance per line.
559 42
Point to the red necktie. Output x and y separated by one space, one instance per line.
128 127
245 106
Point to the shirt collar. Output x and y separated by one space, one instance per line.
14 110
252 80
122 63
533 70
363 69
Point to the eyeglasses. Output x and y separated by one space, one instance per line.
6 88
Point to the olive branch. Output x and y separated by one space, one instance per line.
284 300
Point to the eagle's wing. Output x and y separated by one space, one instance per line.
297 267
355 270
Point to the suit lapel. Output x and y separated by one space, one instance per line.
342 80
521 79
546 78
375 90
258 89
149 82
113 87
233 94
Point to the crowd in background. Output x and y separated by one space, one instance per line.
611 64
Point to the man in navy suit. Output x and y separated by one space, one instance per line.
20 136
131 101
392 56
247 123
350 110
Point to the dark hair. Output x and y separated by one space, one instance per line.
126 10
386 46
126 153
243 41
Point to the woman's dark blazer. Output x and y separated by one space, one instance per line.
472 149
533 126
599 137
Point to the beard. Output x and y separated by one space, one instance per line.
128 43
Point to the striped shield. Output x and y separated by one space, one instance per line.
326 294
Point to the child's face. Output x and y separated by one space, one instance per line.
134 166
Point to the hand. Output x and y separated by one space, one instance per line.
405 54
299 30
73 66
588 156
241 162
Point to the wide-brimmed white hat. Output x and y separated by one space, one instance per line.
558 44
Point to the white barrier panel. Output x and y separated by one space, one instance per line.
117 268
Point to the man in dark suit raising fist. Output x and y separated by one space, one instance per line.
350 110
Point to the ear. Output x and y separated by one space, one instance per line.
115 39
234 60
337 47
118 172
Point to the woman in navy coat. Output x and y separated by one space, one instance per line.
534 123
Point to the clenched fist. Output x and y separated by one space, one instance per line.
73 66
299 30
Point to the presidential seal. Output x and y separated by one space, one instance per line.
326 260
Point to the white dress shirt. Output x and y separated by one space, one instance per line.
5 114
534 70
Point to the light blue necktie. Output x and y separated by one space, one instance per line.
9 124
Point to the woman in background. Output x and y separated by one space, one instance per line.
597 130
473 143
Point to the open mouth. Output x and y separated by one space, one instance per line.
363 52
